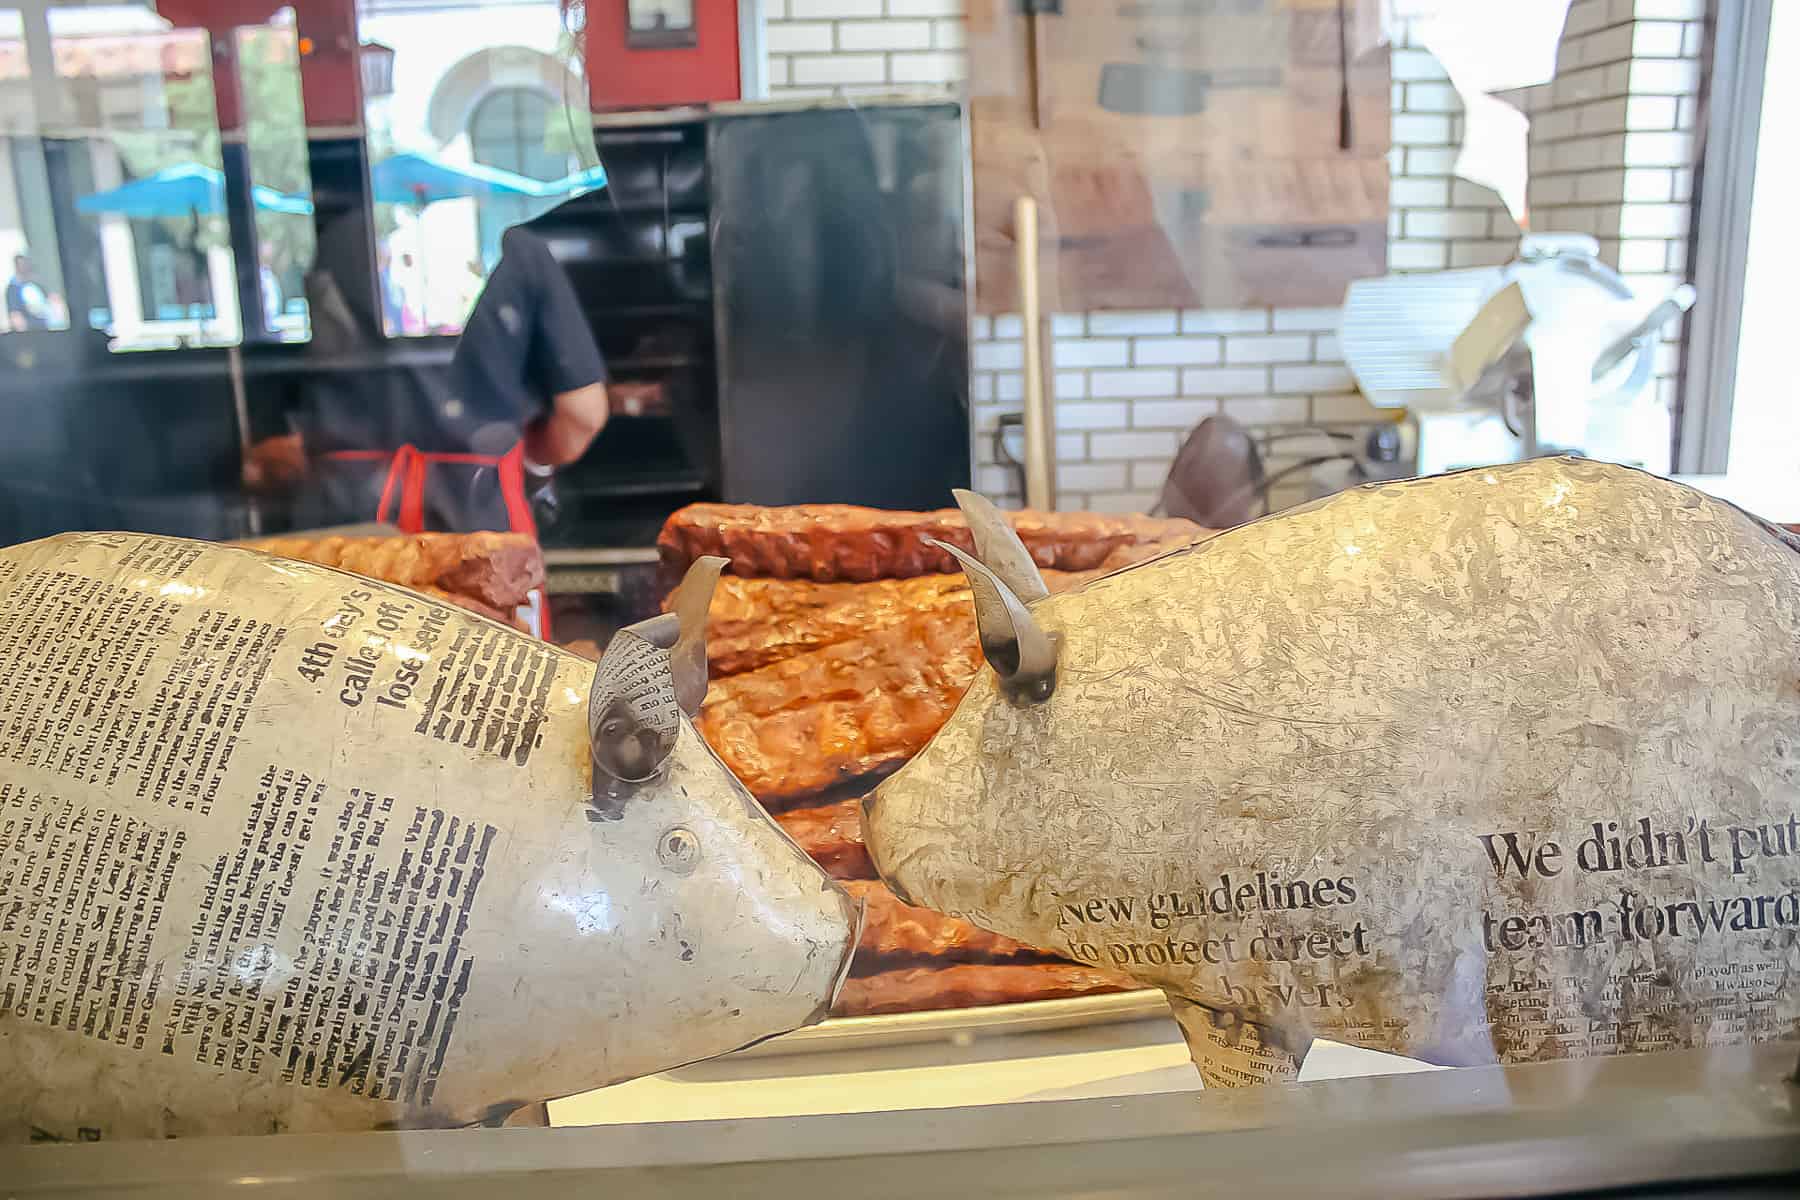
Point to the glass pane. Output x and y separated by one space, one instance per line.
467 138
35 296
275 135
137 132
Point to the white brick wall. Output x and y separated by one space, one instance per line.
825 47
1612 154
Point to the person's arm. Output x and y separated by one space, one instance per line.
563 435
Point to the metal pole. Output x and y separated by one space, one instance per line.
1040 433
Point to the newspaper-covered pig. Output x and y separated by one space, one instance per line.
1495 766
282 848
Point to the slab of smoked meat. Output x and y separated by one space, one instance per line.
498 569
831 835
830 716
894 930
967 985
831 543
755 622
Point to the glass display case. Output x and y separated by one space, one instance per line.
906 596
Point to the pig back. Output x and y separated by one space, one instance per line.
282 848
1498 765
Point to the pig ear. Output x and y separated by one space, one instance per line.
1021 653
687 660
634 718
998 546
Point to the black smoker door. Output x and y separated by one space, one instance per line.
842 302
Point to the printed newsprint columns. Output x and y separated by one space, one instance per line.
1496 766
282 848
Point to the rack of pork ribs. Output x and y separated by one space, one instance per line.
839 643
487 573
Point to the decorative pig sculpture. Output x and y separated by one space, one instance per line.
283 848
1495 766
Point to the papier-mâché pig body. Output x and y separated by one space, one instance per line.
1500 765
282 848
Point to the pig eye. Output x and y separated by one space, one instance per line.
612 727
679 850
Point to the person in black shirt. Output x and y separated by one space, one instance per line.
460 449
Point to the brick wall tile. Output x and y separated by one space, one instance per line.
1306 319
792 37
1326 348
1008 328
1093 476
832 9
1670 10
884 35
981 386
1268 410
1088 352
1175 351
1171 414
1642 254
1410 65
1665 76
1313 379
1068 324
1653 112
1224 381
1131 382
1432 98
1419 193
925 8
1122 323
1090 415
999 356
1225 320
840 68
1653 220
1417 256
949 35
1647 184
1584 15
933 67
1267 348
1656 39
1430 160
1071 385
1481 254
1137 444
1150 474
992 479
1421 129
1071 447
1445 223
980 328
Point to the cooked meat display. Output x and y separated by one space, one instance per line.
893 929
837 542
838 649
830 716
831 835
498 569
754 622
967 985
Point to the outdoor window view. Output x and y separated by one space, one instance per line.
189 157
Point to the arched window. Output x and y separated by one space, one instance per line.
507 130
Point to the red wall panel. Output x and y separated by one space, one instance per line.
622 77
